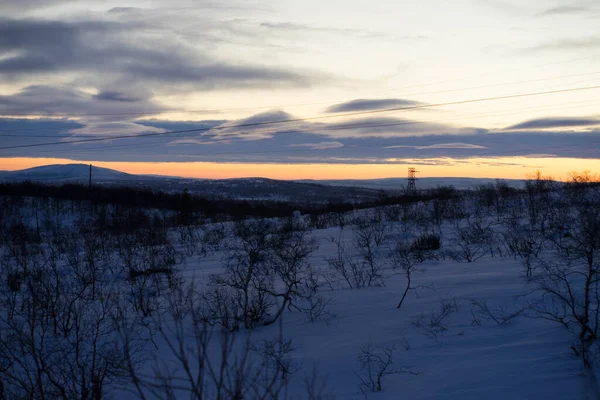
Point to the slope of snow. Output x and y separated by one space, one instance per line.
64 173
523 359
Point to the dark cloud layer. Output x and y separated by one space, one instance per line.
564 10
556 122
116 96
60 100
579 43
122 53
371 104
313 143
24 5
392 127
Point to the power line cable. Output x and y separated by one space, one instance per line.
266 123
521 110
171 111
146 145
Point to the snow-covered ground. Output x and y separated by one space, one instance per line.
466 355
524 358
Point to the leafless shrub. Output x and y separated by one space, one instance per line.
369 238
406 261
346 267
203 361
315 386
267 271
289 263
247 271
189 239
567 274
434 323
275 354
538 199
319 309
314 305
393 212
213 237
471 241
57 337
340 219
376 363
524 243
219 307
500 315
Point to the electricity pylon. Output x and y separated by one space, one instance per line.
411 187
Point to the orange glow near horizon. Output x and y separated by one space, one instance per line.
501 167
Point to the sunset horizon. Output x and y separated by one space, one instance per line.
488 169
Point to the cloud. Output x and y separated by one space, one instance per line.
556 122
371 104
582 43
198 141
311 143
66 101
105 113
319 146
564 10
441 146
269 124
115 96
115 128
25 5
259 126
390 127
125 52
357 33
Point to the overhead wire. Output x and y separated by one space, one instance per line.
155 112
293 120
485 114
299 150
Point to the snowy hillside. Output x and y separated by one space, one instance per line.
347 190
65 173
483 295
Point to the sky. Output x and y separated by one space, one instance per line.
293 89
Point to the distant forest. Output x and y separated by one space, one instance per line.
187 203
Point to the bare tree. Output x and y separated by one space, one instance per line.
568 274
434 324
500 315
267 271
472 240
376 363
347 267
524 242
200 361
315 386
369 238
406 260
289 263
247 271
57 338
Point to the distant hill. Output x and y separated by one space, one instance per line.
299 191
64 173
422 183
239 188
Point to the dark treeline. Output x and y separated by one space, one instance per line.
188 203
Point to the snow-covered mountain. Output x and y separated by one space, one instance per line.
63 173
299 191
